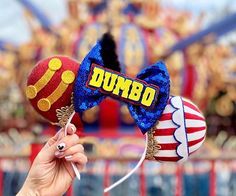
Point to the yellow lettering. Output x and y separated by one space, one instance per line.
122 84
136 91
97 77
109 81
148 96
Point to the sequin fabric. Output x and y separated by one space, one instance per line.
145 118
158 75
85 98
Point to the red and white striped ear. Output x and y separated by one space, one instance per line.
181 130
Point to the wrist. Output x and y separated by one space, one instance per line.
28 190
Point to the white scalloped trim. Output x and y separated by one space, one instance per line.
180 133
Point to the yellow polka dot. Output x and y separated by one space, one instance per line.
31 92
44 105
68 77
55 64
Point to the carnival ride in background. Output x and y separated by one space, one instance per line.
201 65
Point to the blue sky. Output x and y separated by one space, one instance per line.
14 28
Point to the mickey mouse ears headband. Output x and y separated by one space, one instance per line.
174 127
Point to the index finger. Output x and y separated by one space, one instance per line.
60 134
70 129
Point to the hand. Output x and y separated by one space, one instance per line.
51 172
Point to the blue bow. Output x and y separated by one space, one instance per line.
146 118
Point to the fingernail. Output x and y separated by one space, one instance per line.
73 128
58 154
61 146
68 157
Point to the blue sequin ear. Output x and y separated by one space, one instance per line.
84 97
158 75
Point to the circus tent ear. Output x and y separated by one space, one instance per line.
180 131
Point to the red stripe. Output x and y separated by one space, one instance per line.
1 181
191 106
142 179
195 129
179 180
192 143
212 180
171 159
171 146
170 131
164 132
167 116
189 74
106 177
193 116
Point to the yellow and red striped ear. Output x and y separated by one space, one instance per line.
50 86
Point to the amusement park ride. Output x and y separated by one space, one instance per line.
144 33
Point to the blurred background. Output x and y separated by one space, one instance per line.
196 39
